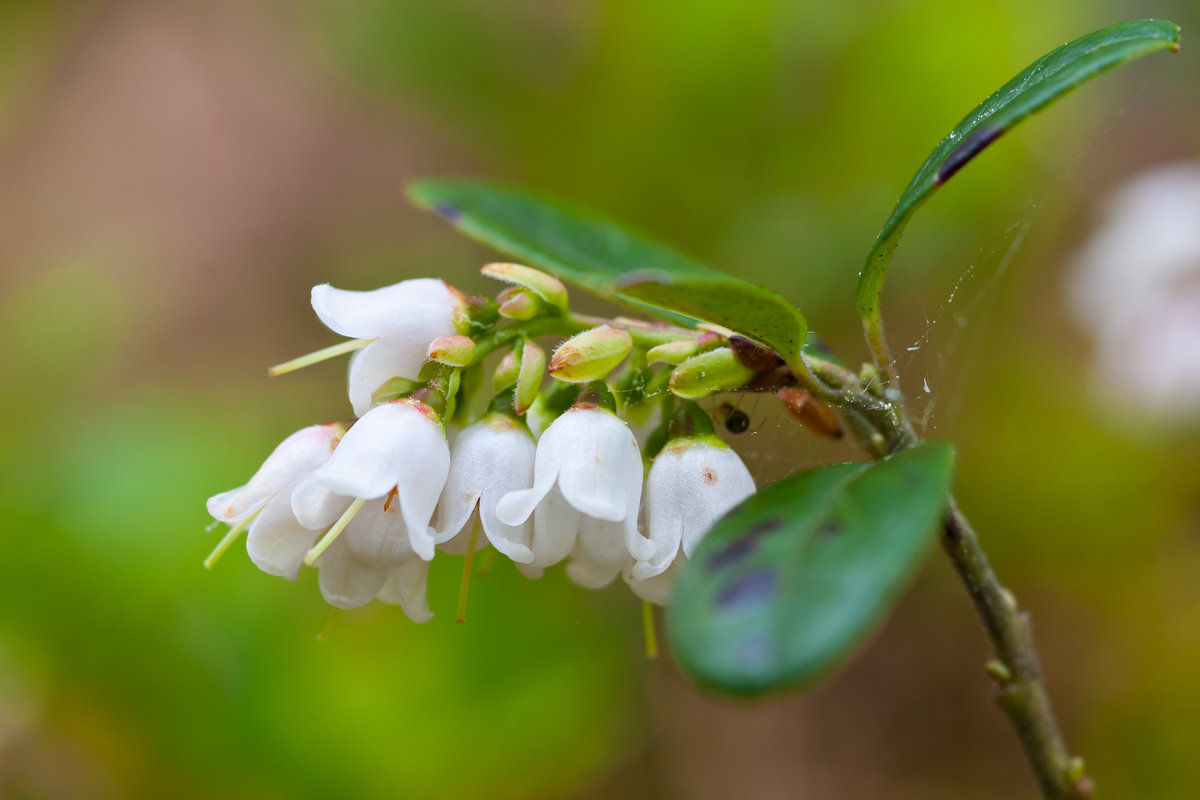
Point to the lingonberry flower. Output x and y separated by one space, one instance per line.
692 483
490 459
402 319
277 541
587 483
396 453
348 582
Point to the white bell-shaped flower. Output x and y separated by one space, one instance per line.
587 483
402 319
347 581
395 453
276 540
489 459
692 483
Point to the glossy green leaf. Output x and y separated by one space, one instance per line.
1040 84
784 586
610 260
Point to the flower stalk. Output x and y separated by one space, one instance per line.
882 426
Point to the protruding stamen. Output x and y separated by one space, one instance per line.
333 532
648 629
331 619
229 538
348 346
392 495
465 584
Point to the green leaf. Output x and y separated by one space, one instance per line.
785 585
1040 84
610 260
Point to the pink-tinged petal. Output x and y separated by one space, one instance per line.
295 457
555 529
603 454
345 581
379 450
405 587
409 305
276 542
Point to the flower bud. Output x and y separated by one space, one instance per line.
813 415
454 351
519 303
529 377
590 355
545 286
507 371
708 373
393 389
673 353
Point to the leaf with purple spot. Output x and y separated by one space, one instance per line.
788 583
1036 87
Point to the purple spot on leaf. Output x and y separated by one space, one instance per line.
446 211
754 585
634 277
967 149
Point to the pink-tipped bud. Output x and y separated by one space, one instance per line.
519 303
590 355
547 287
454 351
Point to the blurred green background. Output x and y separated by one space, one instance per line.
174 177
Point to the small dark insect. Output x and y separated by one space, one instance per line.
736 420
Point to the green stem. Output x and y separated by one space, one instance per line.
882 427
1019 689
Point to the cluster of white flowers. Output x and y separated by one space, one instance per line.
370 503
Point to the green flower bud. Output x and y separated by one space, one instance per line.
547 287
708 373
393 389
507 370
529 377
454 351
519 303
673 353
590 355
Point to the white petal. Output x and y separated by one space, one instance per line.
555 529
552 450
376 454
295 457
377 536
719 481
379 362
345 581
603 454
276 541
656 589
405 587
599 554
457 544
422 477
423 303
315 506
